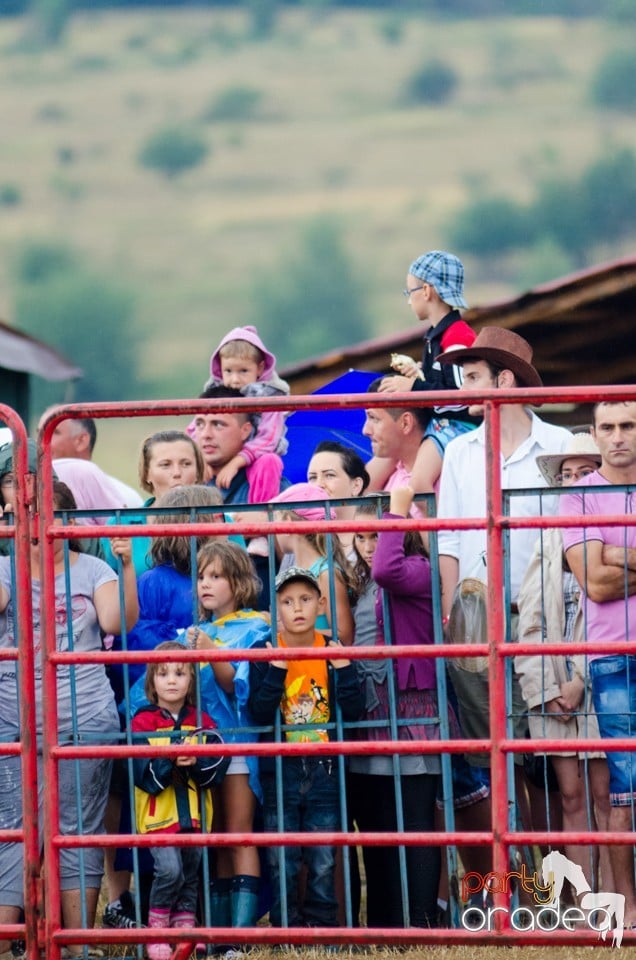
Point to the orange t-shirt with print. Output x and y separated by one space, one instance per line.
306 696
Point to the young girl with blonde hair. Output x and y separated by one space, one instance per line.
227 589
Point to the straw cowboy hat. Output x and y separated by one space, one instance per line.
581 445
503 348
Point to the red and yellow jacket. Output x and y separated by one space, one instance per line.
167 797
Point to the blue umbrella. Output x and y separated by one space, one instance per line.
306 428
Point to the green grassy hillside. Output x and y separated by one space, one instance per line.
329 135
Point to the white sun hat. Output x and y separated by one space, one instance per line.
581 445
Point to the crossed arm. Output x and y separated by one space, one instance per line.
604 571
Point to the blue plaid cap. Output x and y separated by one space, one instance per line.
445 272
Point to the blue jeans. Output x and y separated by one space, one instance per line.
614 698
310 804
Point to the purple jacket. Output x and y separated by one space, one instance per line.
407 582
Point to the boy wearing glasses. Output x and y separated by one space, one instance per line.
434 290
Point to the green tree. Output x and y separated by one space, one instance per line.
50 18
614 84
315 301
234 103
599 207
561 215
433 84
10 195
393 27
262 17
42 260
609 188
491 225
87 317
623 11
173 150
541 262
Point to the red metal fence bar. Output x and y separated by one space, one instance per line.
27 746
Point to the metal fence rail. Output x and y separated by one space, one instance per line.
24 745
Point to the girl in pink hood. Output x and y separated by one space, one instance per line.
243 362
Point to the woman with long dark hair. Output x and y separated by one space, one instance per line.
341 473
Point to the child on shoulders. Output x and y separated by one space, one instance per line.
243 362
435 293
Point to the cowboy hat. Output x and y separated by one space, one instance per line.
503 348
581 445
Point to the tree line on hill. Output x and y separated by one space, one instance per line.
447 8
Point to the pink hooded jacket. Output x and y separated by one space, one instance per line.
250 335
269 436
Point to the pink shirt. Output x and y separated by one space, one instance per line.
401 477
613 619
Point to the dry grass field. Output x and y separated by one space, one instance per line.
428 953
330 136
467 953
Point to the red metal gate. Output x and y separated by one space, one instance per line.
43 928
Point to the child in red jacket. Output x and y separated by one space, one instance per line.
173 795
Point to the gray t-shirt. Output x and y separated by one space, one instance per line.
92 689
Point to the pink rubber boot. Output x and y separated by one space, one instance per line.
158 951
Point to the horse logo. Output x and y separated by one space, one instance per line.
556 868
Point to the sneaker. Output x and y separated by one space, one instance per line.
120 914
18 950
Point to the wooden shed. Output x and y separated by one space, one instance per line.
21 357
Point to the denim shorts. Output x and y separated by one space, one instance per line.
442 430
470 784
614 698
